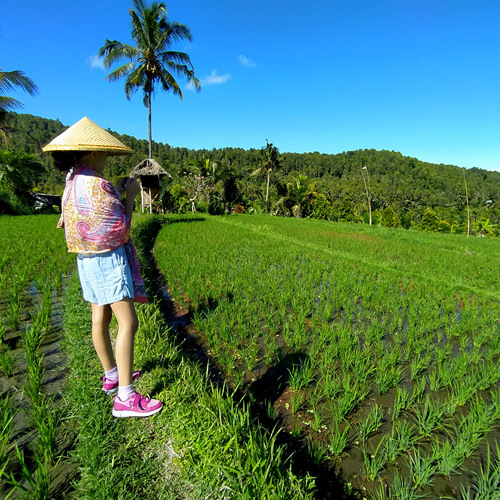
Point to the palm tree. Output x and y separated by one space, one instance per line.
300 189
10 80
271 163
150 61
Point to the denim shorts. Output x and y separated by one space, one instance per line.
105 277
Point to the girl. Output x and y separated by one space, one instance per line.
97 229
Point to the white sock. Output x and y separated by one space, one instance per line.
124 392
112 374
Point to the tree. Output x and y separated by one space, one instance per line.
390 218
10 80
150 61
270 163
300 190
19 171
430 220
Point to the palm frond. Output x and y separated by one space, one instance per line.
11 79
122 71
8 103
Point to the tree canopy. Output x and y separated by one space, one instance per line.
150 62
327 186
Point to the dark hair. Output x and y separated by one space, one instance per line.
64 160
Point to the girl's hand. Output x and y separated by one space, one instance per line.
122 184
132 188
129 186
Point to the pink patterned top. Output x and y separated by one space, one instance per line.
94 220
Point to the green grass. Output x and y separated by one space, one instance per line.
203 444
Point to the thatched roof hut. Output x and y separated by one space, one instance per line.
148 167
150 173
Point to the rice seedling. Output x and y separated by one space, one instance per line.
316 452
404 489
383 492
3 330
418 366
301 375
32 485
45 421
14 308
402 402
418 391
387 377
339 441
421 468
7 361
401 440
297 402
331 383
448 462
371 424
429 418
7 415
463 390
486 482
374 461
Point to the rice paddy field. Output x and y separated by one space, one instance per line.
33 265
378 348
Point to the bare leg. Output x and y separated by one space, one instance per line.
124 311
101 318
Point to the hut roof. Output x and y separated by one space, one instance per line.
148 167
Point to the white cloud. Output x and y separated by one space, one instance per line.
247 62
96 62
212 79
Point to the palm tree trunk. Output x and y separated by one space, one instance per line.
267 192
149 123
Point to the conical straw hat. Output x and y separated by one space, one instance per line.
86 135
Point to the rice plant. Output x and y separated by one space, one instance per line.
486 482
339 440
371 424
404 489
32 485
300 375
401 403
7 415
421 468
429 418
448 462
374 461
401 440
7 361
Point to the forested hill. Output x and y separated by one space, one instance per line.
403 183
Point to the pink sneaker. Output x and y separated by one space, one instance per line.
136 406
111 386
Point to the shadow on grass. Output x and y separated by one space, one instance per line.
267 389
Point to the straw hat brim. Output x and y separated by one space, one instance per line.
85 135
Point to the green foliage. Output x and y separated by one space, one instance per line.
150 62
404 184
346 210
322 208
389 218
430 221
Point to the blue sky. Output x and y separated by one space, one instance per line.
416 76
